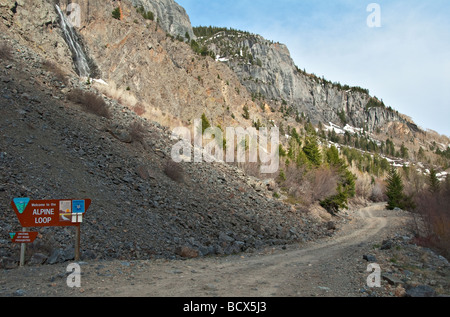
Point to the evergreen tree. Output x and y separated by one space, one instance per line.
404 151
246 113
332 156
334 203
394 190
116 13
205 123
312 151
346 187
301 159
433 181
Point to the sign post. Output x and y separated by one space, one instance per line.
50 213
77 243
22 250
23 237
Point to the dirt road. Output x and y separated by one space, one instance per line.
329 267
325 268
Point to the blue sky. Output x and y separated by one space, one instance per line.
405 62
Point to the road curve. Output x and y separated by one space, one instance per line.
329 267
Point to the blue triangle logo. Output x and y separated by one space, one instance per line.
12 234
21 204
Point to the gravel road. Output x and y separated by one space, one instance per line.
330 267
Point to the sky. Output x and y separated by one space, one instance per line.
404 60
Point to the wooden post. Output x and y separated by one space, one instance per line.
77 243
22 250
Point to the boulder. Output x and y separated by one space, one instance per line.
7 263
392 280
370 258
38 258
420 291
386 245
187 252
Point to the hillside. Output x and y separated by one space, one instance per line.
144 206
108 135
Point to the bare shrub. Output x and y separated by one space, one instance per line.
324 183
139 109
432 219
309 186
251 169
90 102
57 72
415 182
174 171
5 51
378 192
296 184
363 185
137 131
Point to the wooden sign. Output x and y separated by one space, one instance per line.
50 213
23 237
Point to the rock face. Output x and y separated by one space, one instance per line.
33 21
267 70
171 16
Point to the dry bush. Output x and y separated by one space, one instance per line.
309 186
136 131
324 183
139 109
174 171
251 169
432 219
129 100
378 192
363 185
415 182
57 72
90 102
5 52
295 183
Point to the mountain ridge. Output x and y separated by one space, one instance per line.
266 68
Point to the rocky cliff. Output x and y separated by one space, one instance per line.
170 15
267 70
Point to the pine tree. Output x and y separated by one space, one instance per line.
404 151
346 187
205 123
246 113
434 181
394 190
116 13
312 151
332 156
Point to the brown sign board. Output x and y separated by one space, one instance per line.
50 213
23 237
